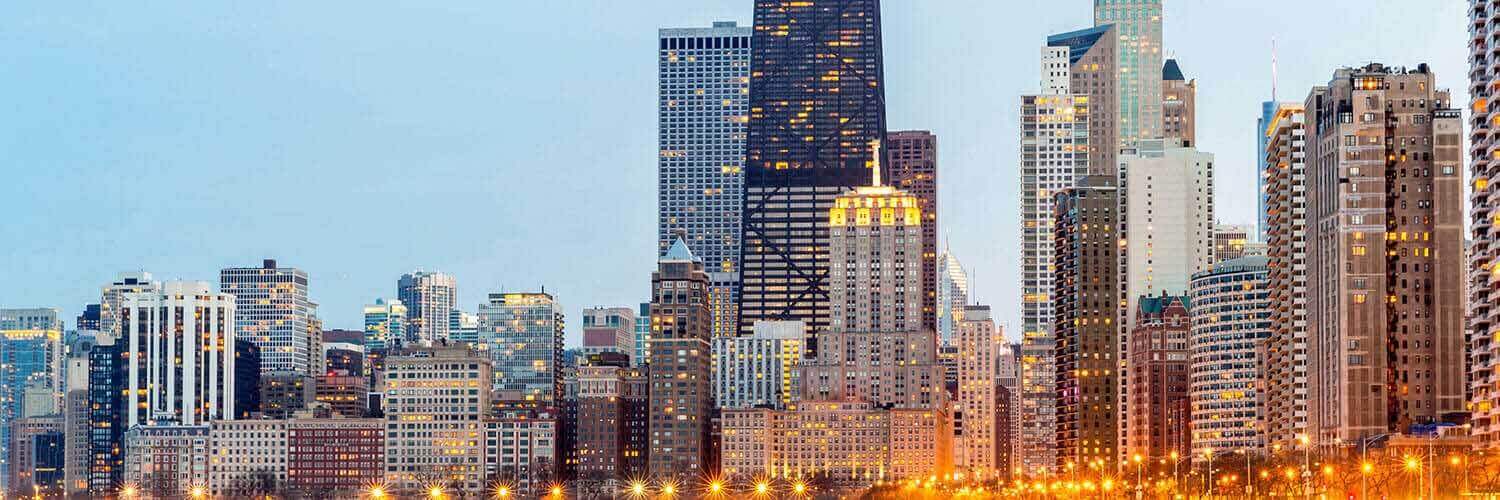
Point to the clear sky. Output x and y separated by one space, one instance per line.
513 143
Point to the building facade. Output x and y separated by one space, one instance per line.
681 390
608 329
1179 105
1086 307
1158 380
385 324
1139 23
272 310
761 370
612 415
430 298
817 100
179 366
911 157
247 458
859 443
979 343
522 451
336 457
953 295
1285 409
31 356
1231 241
1385 232
112 296
1484 227
167 461
703 105
1231 319
435 402
523 335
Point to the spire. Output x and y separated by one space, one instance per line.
1273 69
679 250
875 151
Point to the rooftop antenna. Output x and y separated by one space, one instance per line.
875 151
1273 69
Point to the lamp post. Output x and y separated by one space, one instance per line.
1365 468
1176 481
1208 479
1306 443
1249 479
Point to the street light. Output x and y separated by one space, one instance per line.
1306 443
377 492
637 489
502 493
435 492
197 492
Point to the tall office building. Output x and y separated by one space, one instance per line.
642 334
273 311
1231 240
1170 213
1179 105
817 100
1082 64
463 327
911 157
108 363
523 335
1158 412
1085 311
385 324
435 403
681 394
179 355
31 355
1054 145
762 370
430 298
703 104
114 293
1138 23
1484 253
979 343
1231 319
608 329
953 295
1285 227
1386 273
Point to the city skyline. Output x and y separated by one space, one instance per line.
326 113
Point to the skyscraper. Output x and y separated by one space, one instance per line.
1170 214
612 415
113 294
180 363
1230 241
1138 23
1484 253
703 104
953 295
609 329
1179 105
435 402
1285 228
911 157
817 100
1086 308
979 343
681 394
31 353
523 334
1231 319
273 311
761 370
430 298
1385 232
385 324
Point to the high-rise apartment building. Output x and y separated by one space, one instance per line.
435 402
272 310
911 158
1170 214
31 355
430 298
953 295
1179 105
702 109
979 343
1484 251
1086 307
608 329
523 335
113 294
1285 411
1231 240
180 366
385 324
108 370
1158 410
1386 273
762 370
612 421
681 391
817 100
1231 319
1139 25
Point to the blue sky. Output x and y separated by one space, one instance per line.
513 143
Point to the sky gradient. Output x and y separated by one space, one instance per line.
513 143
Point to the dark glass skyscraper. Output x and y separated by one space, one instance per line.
817 101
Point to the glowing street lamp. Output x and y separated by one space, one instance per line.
557 491
435 492
637 489
377 493
761 488
502 493
198 492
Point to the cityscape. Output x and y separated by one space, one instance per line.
806 327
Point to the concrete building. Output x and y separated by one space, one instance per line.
1232 315
31 356
1484 254
167 461
1158 381
875 247
762 370
36 453
1285 402
979 343
522 450
911 156
1139 23
1087 306
702 110
953 295
1179 106
179 370
76 430
430 298
608 329
334 457
435 402
1231 241
247 458
1386 273
612 415
1170 217
523 335
112 296
272 310
285 393
345 395
385 325
681 390
858 443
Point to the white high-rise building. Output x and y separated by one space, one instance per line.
1484 211
274 313
430 298
760 370
1170 219
703 106
181 345
114 293
979 344
953 295
435 401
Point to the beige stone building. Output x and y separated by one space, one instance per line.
847 442
435 398
1484 252
1283 378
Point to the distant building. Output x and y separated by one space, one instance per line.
463 327
285 393
345 395
1179 107
1159 377
979 343
108 370
435 401
88 320
385 325
169 380
1484 230
344 359
247 458
953 295
112 296
429 297
761 370
31 356
858 444
612 432
523 335
1285 411
246 378
272 310
1231 316
36 454
167 460
608 329
681 390
911 156
642 334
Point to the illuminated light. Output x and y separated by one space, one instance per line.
435 492
715 487
198 492
1412 463
502 492
761 488
557 491
669 490
799 488
1366 467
